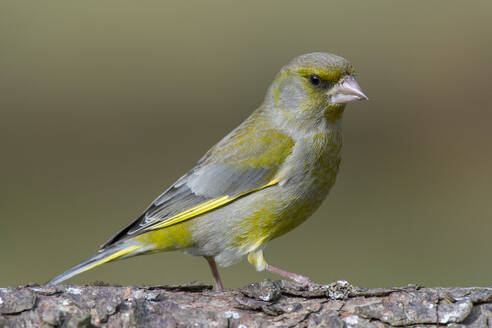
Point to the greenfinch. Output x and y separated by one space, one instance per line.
260 181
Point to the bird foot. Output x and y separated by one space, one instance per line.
297 278
302 280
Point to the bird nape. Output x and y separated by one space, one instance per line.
263 179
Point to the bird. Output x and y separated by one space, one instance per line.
263 179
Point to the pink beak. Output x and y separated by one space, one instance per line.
345 91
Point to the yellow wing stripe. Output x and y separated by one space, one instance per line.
204 207
111 257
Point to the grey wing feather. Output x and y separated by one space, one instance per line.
207 183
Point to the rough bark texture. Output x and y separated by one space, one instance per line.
265 304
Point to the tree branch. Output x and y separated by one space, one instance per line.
264 304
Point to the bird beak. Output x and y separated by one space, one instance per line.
345 91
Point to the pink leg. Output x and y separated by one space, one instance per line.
302 280
215 273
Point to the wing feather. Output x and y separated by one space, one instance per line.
246 160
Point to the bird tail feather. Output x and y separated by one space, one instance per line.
114 252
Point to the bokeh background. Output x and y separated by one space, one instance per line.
106 103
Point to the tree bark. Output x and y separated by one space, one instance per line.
264 304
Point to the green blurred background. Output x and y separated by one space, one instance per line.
106 103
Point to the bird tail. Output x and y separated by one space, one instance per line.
111 253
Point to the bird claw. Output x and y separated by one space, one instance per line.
302 280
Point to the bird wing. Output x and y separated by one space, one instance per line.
245 161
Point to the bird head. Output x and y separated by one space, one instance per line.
313 86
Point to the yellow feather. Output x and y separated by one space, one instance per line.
112 257
204 207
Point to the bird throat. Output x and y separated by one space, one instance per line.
333 112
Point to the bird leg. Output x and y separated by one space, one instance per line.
215 273
302 280
256 258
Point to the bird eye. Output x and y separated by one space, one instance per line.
314 80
